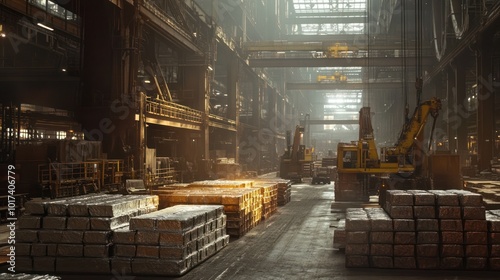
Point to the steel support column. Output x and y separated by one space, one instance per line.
233 102
451 108
256 102
460 100
486 103
256 109
273 121
205 100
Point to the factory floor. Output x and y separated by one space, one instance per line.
295 243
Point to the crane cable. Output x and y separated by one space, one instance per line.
418 49
403 57
432 133
367 88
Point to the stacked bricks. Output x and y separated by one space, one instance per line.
434 229
493 221
339 236
230 184
468 225
427 239
246 202
269 195
268 189
60 235
284 192
381 239
357 230
284 189
399 206
243 206
171 241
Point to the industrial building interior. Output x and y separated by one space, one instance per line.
299 110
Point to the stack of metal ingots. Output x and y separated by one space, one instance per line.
284 189
416 229
493 218
242 202
171 241
73 235
269 196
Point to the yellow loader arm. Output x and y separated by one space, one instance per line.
413 128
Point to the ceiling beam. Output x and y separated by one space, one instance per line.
323 122
344 86
169 29
335 62
282 45
330 14
343 37
325 20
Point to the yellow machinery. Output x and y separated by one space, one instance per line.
337 77
362 173
325 79
337 50
341 77
296 162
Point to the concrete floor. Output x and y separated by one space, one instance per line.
295 243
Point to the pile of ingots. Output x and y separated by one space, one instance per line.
284 189
417 229
61 235
245 202
170 241
103 234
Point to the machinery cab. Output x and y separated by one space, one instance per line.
347 156
359 154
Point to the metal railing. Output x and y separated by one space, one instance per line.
76 178
70 179
221 119
183 113
173 110
162 176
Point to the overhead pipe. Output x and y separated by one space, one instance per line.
439 47
459 30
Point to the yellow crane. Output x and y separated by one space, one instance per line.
359 167
336 77
297 159
337 50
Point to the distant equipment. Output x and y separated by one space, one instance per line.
336 77
362 173
337 50
297 160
